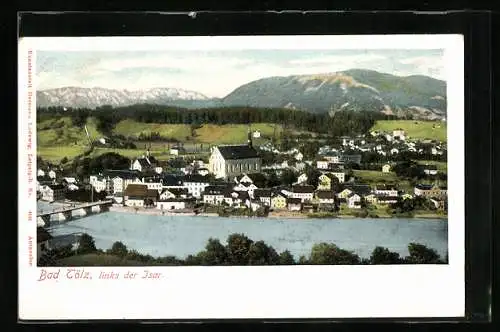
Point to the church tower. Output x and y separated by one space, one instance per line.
249 136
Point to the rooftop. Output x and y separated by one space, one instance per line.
237 151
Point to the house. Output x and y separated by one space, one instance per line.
350 158
53 192
153 183
255 205
394 151
258 179
40 172
338 173
43 238
322 164
171 204
278 200
139 195
145 163
406 196
304 193
256 134
118 180
172 181
325 196
52 174
299 156
263 195
237 198
171 193
158 169
302 178
214 194
98 182
203 171
176 150
332 156
399 134
228 161
383 199
69 180
294 204
371 198
385 190
354 201
430 191
195 184
325 181
360 189
308 207
430 169
386 168
388 137
344 193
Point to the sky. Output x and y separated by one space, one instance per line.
216 73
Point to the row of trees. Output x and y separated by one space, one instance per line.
241 250
344 122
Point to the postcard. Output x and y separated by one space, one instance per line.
241 177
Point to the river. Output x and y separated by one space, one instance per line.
183 235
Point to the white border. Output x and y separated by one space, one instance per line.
256 292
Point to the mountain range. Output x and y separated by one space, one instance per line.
351 90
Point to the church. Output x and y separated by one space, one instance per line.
228 161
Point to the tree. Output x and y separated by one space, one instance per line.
420 254
238 246
118 249
286 258
325 253
288 177
384 256
64 160
214 254
86 244
313 176
260 253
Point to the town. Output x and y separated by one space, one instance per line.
360 176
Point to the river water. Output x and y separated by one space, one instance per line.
183 235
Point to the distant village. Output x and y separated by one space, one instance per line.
235 177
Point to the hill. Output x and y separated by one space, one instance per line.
356 89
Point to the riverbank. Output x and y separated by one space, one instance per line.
276 214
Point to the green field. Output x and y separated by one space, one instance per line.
131 128
376 177
56 153
61 132
233 133
415 129
441 165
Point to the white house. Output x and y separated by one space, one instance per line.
195 184
153 185
263 195
325 196
171 204
399 134
102 140
72 187
385 190
322 164
98 183
144 163
294 204
304 193
227 161
394 151
388 137
430 169
202 171
386 168
52 174
299 156
256 134
53 192
214 194
302 178
40 172
354 201
158 170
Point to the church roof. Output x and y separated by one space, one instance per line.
237 151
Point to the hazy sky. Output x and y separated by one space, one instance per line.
217 73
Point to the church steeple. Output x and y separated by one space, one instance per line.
249 136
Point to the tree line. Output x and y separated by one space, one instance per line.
343 123
241 250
